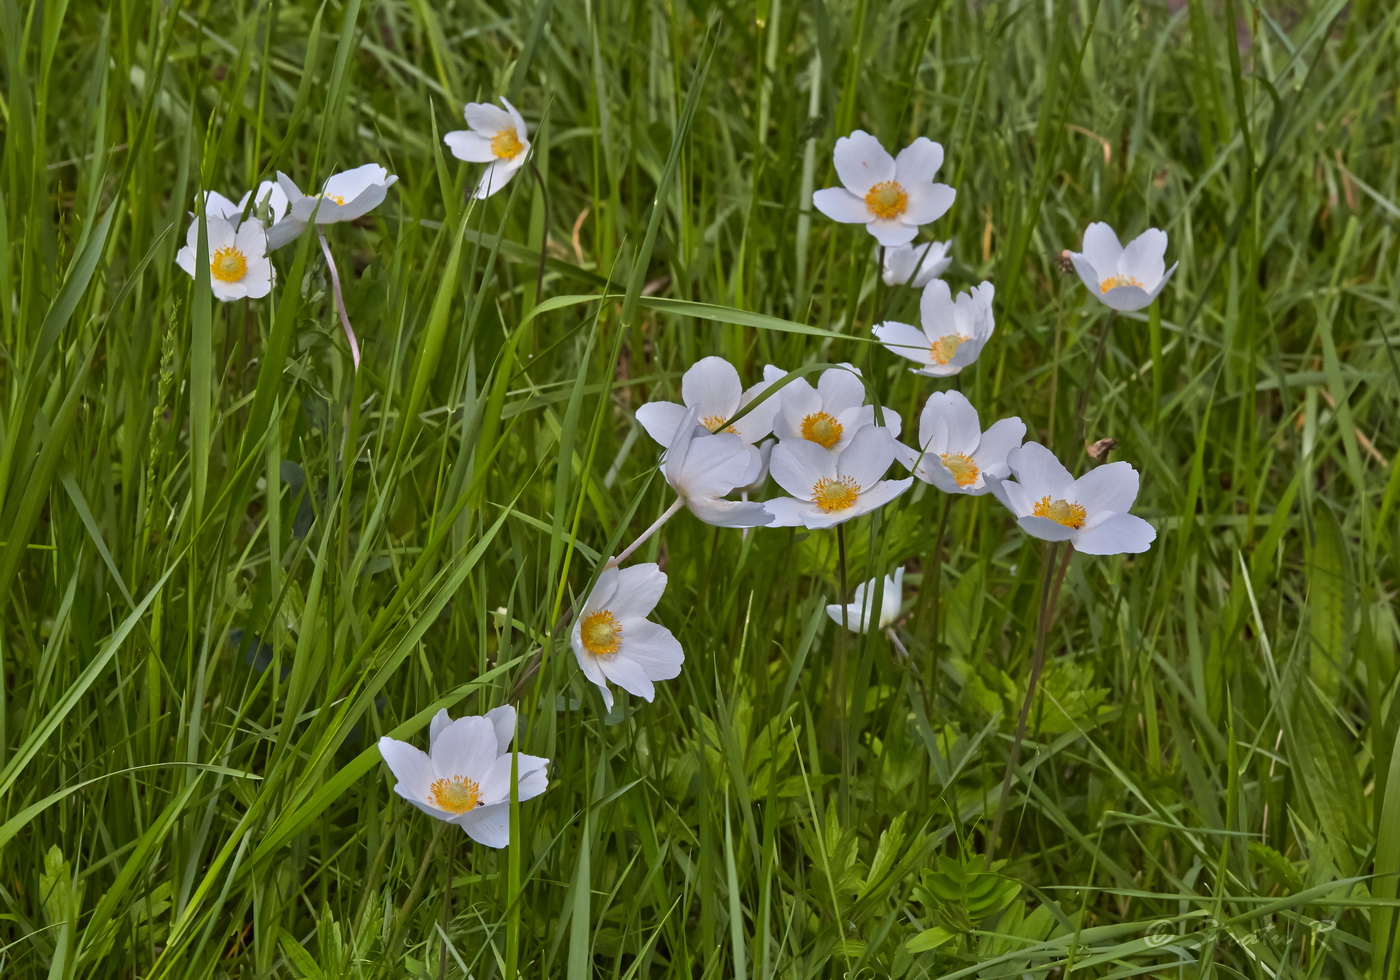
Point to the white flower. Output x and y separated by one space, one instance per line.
497 137
957 455
1091 513
464 777
613 639
858 611
268 194
711 387
829 414
829 488
891 196
238 262
704 467
346 196
916 265
765 455
953 331
1123 278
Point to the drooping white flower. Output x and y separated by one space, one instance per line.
856 615
497 137
1091 513
238 262
613 639
951 333
465 776
891 196
916 265
1123 278
712 387
829 488
954 454
829 414
346 196
705 467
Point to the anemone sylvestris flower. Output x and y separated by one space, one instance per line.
891 196
346 196
496 137
951 334
465 776
238 262
1091 513
613 639
860 611
954 454
705 467
828 414
915 265
829 488
1123 278
267 195
711 386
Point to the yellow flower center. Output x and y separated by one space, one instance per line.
228 264
456 795
506 144
716 422
886 200
941 351
601 633
822 429
1113 282
962 467
1060 511
836 493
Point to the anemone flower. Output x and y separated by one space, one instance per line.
891 196
915 265
857 615
496 137
267 195
346 196
954 454
465 776
238 262
1123 278
951 333
711 386
829 488
1091 513
828 414
613 639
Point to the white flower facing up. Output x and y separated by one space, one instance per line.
346 196
891 196
952 332
238 264
1123 278
497 137
713 389
1091 513
857 614
829 488
465 776
615 642
705 467
829 414
915 265
957 456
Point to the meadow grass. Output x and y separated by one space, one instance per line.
229 563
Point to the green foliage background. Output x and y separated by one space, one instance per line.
228 563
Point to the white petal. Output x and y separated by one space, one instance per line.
661 419
904 340
1120 534
729 513
712 386
1045 529
798 464
868 457
467 747
409 765
964 427
284 232
996 444
1158 288
639 589
714 466
918 162
840 388
1040 472
841 205
1101 248
502 720
489 825
486 118
469 145
603 590
516 120
440 721
758 421
861 162
628 675
653 648
927 202
496 176
936 308
1109 489
1144 258
1087 273
366 201
1126 299
891 232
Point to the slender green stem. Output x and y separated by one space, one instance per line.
1080 422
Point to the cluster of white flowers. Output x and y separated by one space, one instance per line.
828 445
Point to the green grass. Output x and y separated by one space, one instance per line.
228 563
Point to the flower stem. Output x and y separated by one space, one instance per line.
666 516
340 299
1049 594
1080 422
